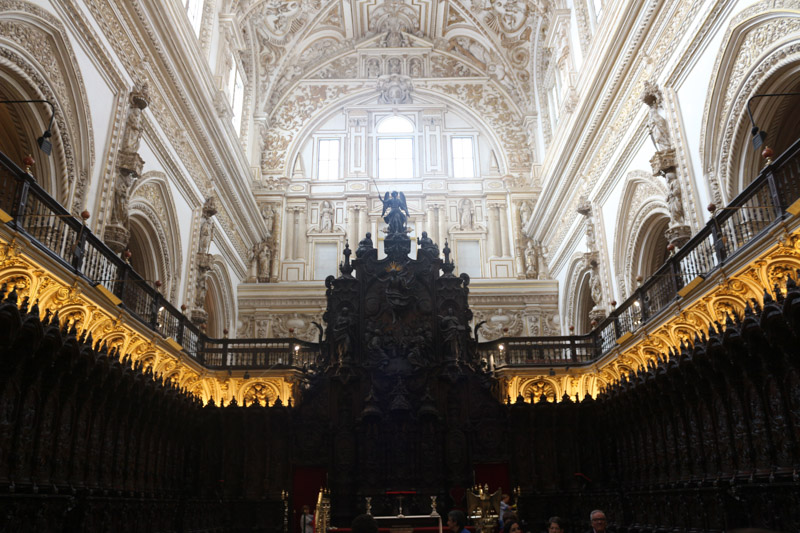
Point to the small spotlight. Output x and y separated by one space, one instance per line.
636 303
501 347
296 347
44 142
759 136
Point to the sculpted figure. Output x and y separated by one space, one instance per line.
119 213
263 255
269 217
206 235
524 213
467 215
364 245
326 217
398 212
373 69
426 244
342 334
451 329
531 262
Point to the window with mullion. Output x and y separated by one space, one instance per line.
395 158
463 158
328 160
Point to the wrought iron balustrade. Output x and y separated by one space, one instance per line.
36 215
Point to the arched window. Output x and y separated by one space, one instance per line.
395 148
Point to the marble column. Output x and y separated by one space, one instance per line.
363 222
442 225
352 225
494 231
504 230
290 228
300 235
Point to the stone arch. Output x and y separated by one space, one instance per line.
760 53
642 218
220 299
540 385
155 232
36 62
495 126
577 298
261 391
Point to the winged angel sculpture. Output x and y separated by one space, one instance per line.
398 211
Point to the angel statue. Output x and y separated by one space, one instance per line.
398 212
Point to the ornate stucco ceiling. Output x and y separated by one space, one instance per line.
304 55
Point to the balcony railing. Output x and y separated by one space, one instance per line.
45 222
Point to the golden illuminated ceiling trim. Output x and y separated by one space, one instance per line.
725 294
35 275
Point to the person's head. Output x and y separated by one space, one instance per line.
306 509
555 525
364 523
511 526
456 520
505 498
598 519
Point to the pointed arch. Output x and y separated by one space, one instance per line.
37 62
577 296
220 299
640 246
155 232
760 53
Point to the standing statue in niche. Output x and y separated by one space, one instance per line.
531 261
524 213
261 261
326 217
398 212
373 68
269 217
466 215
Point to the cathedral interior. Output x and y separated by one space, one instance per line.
386 255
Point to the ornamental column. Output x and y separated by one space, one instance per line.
504 230
442 212
494 231
289 244
363 222
352 224
299 236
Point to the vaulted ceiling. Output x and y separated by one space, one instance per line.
307 54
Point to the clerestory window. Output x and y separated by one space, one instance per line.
395 148
463 158
328 159
236 95
194 10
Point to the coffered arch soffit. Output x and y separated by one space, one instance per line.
760 40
